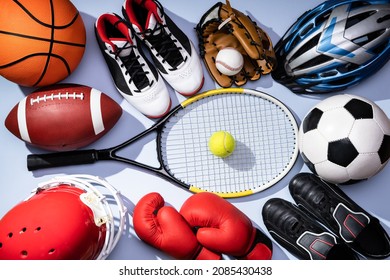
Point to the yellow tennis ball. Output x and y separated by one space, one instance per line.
222 144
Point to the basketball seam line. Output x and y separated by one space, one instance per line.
41 39
50 45
37 54
45 24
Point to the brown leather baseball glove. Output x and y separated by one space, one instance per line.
222 26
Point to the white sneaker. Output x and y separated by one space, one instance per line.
134 76
172 52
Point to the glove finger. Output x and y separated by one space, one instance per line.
244 30
267 65
252 69
240 79
268 61
254 41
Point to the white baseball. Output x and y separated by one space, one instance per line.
229 61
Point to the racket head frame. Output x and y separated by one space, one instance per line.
196 189
90 156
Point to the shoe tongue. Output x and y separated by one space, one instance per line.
152 23
122 45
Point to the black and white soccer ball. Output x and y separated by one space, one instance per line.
345 138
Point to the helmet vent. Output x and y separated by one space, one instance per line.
313 62
322 18
349 67
23 254
382 19
312 43
359 4
23 230
343 81
38 229
1 245
306 30
358 18
361 41
10 234
295 42
328 74
51 251
380 48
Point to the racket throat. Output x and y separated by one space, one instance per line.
105 155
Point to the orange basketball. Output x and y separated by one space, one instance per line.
42 41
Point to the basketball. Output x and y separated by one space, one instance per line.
42 41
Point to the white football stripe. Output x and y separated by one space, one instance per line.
96 111
22 121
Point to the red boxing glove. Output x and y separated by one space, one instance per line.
165 229
223 228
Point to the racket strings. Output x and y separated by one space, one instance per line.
265 143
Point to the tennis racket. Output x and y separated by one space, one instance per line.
264 129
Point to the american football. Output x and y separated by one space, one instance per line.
63 117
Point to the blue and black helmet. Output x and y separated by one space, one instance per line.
334 46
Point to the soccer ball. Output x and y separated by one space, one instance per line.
345 138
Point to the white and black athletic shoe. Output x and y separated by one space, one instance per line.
301 235
328 204
171 50
134 76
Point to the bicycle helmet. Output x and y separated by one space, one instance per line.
334 46
66 218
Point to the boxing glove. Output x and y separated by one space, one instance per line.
164 228
223 228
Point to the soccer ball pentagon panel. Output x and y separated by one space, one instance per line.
345 138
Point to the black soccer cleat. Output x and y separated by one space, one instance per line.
301 235
333 208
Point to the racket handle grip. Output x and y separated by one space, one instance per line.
35 161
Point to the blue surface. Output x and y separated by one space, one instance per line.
275 17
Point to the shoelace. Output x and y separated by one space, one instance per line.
133 67
295 228
323 204
165 46
325 207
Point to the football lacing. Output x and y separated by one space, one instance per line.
58 96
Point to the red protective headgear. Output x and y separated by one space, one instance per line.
65 218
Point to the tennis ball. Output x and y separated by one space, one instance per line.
222 144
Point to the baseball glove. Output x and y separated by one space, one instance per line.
222 26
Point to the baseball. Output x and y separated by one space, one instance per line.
229 61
